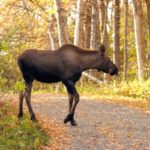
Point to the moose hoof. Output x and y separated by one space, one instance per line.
20 115
73 123
71 119
33 118
68 118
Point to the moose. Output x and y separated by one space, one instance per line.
65 65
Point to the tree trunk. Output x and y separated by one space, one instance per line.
148 21
125 38
103 22
103 5
88 24
139 36
117 33
94 25
61 22
51 32
148 54
78 33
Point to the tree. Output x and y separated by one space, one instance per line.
125 38
94 26
51 32
78 33
148 20
139 36
61 22
148 24
117 32
103 21
87 25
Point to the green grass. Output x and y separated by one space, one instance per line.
19 134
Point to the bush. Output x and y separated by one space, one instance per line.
15 134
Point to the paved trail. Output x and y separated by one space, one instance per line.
101 125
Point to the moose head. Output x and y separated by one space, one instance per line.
105 64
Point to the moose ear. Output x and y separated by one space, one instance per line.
102 49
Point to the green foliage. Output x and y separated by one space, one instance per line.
23 134
19 86
2 82
132 89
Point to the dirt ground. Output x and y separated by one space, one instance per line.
101 125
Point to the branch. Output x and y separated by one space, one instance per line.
91 77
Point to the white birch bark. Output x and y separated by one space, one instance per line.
78 24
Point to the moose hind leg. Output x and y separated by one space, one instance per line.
75 96
70 98
28 100
21 96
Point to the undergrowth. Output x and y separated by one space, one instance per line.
132 89
19 134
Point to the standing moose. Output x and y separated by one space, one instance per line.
65 64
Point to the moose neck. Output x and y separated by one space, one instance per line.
90 60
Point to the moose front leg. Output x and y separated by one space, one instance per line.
73 96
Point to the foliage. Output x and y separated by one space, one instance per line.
132 89
19 86
16 134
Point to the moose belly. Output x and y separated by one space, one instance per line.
46 77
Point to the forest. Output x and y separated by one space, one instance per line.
123 27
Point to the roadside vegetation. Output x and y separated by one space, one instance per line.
19 134
131 89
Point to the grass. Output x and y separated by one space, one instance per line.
19 134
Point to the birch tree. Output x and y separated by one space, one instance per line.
61 22
78 33
139 36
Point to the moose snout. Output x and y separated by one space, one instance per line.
113 71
